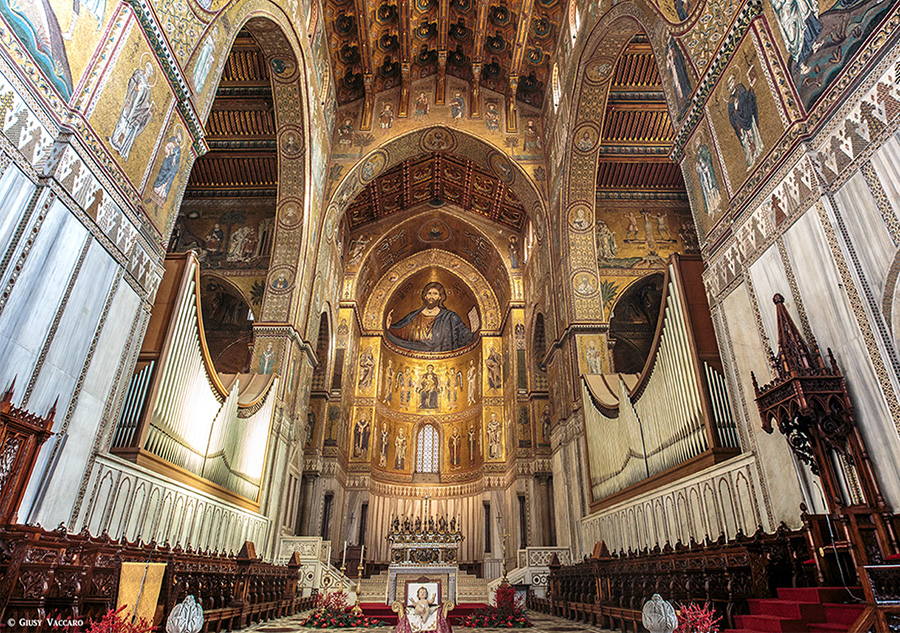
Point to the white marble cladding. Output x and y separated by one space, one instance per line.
310 549
40 147
316 572
570 483
534 568
541 556
126 499
723 498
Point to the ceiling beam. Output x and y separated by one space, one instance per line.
636 157
243 154
478 58
241 104
405 27
232 83
637 106
365 53
440 96
518 56
638 48
244 42
240 141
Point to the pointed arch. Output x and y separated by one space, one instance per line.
452 141
286 290
594 75
324 346
538 353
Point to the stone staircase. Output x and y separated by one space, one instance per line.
374 588
469 588
812 609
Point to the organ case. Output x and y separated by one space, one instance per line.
183 419
672 419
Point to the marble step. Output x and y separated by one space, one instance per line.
469 588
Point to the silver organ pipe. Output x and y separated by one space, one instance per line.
183 413
189 418
673 411
622 460
135 398
234 460
725 425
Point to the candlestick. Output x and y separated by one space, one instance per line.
356 608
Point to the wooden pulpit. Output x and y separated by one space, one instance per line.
21 436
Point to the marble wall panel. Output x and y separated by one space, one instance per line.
16 190
886 162
748 355
29 314
73 335
768 277
88 415
834 325
866 227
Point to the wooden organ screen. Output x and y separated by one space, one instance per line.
179 417
674 418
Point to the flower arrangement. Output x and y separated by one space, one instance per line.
695 618
507 612
334 612
117 622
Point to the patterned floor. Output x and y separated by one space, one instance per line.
542 624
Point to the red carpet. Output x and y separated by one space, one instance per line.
809 609
383 611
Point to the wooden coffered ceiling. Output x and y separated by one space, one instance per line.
437 178
637 131
505 45
241 161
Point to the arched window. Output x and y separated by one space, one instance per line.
320 375
554 83
428 450
538 351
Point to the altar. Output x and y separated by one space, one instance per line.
424 552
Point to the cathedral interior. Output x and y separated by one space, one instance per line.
596 298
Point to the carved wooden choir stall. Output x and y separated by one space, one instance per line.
77 576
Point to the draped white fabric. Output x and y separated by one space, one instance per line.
469 510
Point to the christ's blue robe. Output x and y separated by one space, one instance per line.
448 332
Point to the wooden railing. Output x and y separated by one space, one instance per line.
609 591
76 576
884 615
